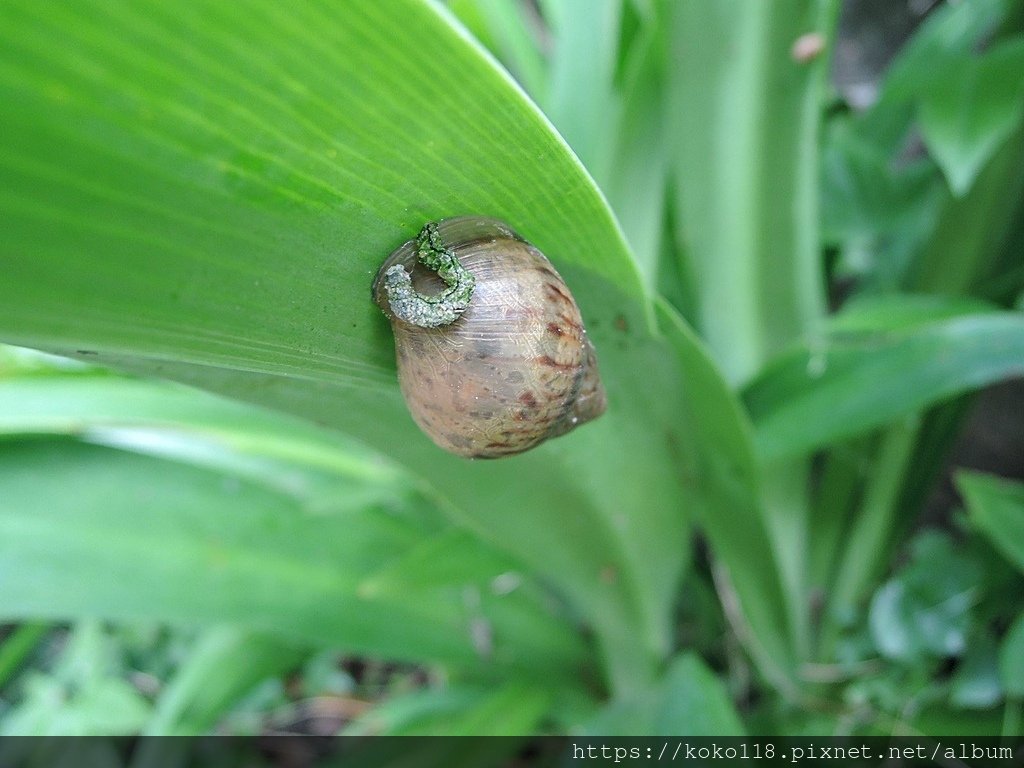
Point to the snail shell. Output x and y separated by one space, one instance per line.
515 368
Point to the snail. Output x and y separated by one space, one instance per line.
492 355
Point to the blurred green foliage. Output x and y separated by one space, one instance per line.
792 297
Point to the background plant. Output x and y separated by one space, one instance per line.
203 198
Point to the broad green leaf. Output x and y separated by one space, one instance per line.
745 115
996 506
690 701
975 107
511 34
224 665
206 196
571 546
321 470
87 531
815 395
582 102
1011 660
926 609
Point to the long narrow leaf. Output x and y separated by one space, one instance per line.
731 513
92 532
812 397
746 118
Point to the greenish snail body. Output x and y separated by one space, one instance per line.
492 355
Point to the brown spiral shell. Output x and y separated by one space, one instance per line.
516 368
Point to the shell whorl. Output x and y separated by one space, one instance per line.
514 367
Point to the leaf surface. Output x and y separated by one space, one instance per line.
206 197
815 395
